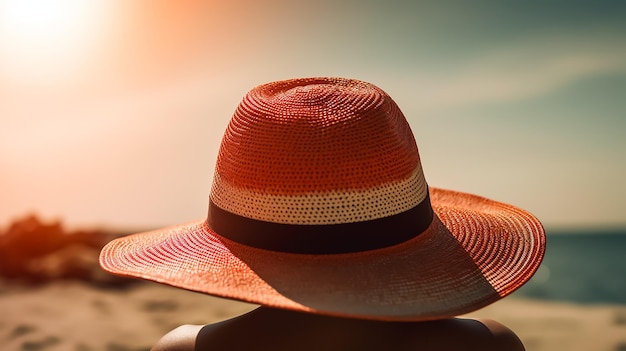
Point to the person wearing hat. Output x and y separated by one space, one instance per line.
320 213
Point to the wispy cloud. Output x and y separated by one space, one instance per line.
524 70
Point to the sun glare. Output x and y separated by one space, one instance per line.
43 40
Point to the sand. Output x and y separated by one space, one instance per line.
78 316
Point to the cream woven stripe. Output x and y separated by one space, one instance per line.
344 206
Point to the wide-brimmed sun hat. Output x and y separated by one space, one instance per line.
319 204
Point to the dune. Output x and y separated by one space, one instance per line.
77 316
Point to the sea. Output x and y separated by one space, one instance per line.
587 267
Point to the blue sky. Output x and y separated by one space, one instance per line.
523 102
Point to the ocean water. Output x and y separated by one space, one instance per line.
582 267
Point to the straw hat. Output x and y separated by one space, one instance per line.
319 204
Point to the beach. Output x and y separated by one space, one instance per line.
74 315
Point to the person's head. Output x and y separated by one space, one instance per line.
319 204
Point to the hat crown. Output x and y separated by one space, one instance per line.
318 151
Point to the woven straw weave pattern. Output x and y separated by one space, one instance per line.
318 151
332 207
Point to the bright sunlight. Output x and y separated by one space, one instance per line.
48 40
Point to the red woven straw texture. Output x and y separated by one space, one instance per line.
514 247
316 135
475 252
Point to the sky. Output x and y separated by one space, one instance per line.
111 112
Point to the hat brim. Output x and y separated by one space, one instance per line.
475 252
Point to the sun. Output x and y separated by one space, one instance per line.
47 39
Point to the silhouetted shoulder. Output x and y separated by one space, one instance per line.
182 338
503 337
276 330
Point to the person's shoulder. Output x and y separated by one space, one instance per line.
452 334
503 338
182 338
459 334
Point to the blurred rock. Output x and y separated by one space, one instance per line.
35 252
